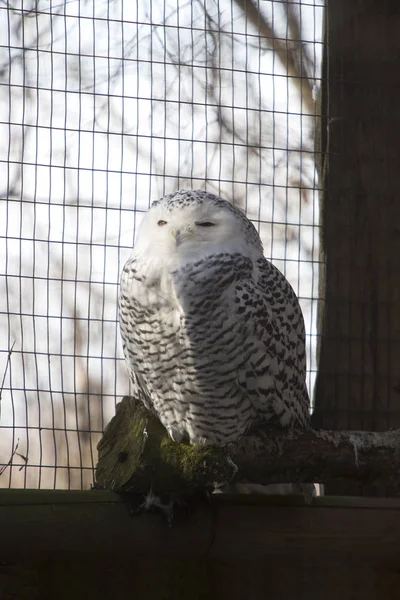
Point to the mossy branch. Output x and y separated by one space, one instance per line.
136 454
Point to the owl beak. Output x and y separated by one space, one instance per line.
180 236
176 234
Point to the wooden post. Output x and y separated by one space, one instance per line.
358 385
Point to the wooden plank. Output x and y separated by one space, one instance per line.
68 544
15 497
31 497
102 523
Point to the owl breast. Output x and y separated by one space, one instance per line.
183 350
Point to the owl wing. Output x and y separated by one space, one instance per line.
244 317
274 375
132 318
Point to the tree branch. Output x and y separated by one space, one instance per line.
136 454
282 49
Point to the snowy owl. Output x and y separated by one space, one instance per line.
213 334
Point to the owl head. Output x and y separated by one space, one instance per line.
190 225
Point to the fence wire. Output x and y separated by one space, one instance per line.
105 106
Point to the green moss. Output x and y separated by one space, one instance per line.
136 453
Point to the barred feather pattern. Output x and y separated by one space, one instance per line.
214 346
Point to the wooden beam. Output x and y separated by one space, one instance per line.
36 522
87 544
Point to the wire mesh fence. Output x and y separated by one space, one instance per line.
104 107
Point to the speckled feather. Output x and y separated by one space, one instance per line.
213 333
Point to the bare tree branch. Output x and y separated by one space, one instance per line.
5 372
283 52
4 467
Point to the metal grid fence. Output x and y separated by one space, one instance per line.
106 105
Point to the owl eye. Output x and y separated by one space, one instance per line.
161 223
205 224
